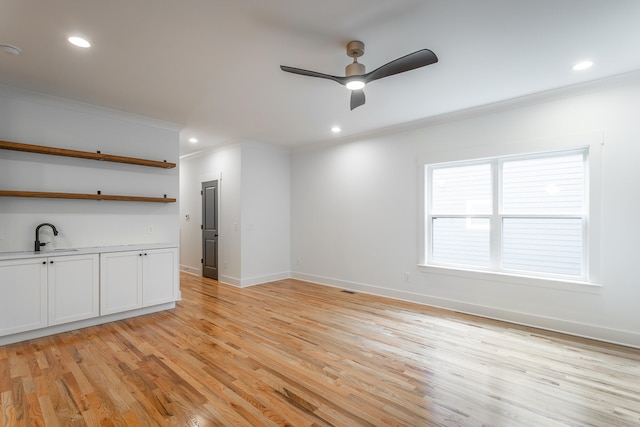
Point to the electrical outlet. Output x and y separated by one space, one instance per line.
298 262
150 229
407 277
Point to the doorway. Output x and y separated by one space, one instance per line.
210 229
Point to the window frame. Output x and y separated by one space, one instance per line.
591 143
428 223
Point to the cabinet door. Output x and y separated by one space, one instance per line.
120 281
23 291
160 277
73 288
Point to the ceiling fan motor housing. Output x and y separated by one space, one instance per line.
355 69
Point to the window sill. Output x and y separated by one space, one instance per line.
515 279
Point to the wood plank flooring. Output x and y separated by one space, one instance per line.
291 353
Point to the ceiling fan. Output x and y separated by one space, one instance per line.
355 76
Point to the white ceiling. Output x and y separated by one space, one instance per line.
212 66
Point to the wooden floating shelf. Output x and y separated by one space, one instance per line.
41 149
49 195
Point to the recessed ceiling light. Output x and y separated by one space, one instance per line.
582 65
79 41
193 140
336 129
12 50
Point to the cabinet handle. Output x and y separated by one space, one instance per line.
50 262
145 254
44 262
139 254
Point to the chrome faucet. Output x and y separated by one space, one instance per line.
37 242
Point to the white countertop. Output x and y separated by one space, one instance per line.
82 251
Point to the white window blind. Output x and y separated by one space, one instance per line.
546 185
463 241
462 190
543 245
462 195
524 214
547 194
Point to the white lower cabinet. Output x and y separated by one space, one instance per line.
120 281
136 279
74 288
160 276
23 286
41 292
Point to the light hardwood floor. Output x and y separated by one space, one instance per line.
291 353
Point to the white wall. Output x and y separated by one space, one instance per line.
254 194
41 120
225 166
266 239
355 214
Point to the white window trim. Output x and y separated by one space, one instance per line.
594 141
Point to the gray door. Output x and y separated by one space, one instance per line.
210 229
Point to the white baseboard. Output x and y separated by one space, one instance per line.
242 283
191 270
252 281
614 336
228 280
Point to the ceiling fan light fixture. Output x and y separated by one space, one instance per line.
79 41
582 65
355 84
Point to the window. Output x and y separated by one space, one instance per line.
519 214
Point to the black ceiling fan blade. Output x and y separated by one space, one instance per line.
357 98
408 62
308 73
